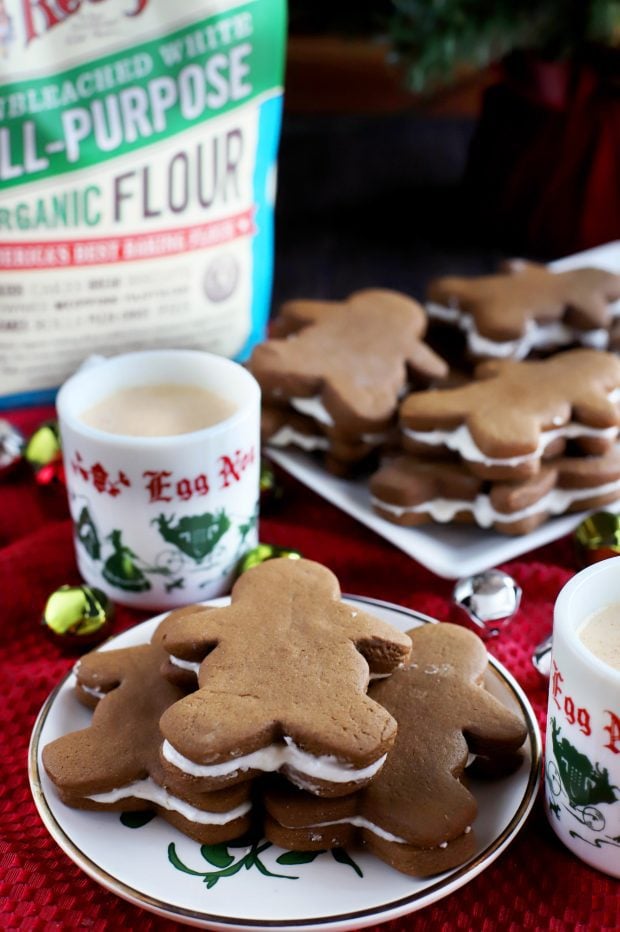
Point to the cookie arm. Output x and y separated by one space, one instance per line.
104 670
491 726
191 636
384 647
422 360
596 410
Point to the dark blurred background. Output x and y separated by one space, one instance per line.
422 138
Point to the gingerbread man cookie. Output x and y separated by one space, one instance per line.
513 413
114 763
417 814
347 363
282 684
527 308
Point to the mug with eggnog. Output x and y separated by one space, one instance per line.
162 460
582 759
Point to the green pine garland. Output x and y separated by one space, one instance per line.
434 39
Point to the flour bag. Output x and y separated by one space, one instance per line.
138 146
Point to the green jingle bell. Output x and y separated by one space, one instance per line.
598 537
78 617
264 552
44 453
270 490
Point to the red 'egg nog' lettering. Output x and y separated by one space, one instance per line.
614 732
233 467
580 715
160 489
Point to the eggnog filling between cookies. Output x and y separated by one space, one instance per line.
287 436
461 441
193 666
153 793
536 335
443 510
314 408
90 690
361 822
325 767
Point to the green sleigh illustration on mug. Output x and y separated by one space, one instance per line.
195 541
571 776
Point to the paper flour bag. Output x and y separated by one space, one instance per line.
138 144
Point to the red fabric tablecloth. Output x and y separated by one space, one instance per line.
535 884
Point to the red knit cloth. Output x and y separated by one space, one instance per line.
535 884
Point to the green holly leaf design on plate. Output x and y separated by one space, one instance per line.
217 855
298 857
340 855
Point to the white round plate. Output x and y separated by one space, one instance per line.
263 887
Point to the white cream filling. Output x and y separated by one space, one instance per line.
461 441
320 767
442 510
536 335
361 822
314 408
191 665
97 693
288 436
153 793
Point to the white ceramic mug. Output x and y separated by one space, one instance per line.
582 758
162 521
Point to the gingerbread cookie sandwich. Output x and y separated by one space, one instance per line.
114 763
411 491
513 414
347 364
527 308
283 678
417 814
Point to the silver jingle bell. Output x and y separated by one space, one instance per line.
485 602
541 658
12 443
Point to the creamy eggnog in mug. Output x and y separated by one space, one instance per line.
600 633
162 410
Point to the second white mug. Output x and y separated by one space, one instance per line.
582 757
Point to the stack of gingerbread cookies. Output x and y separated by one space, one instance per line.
520 442
504 445
294 713
333 373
